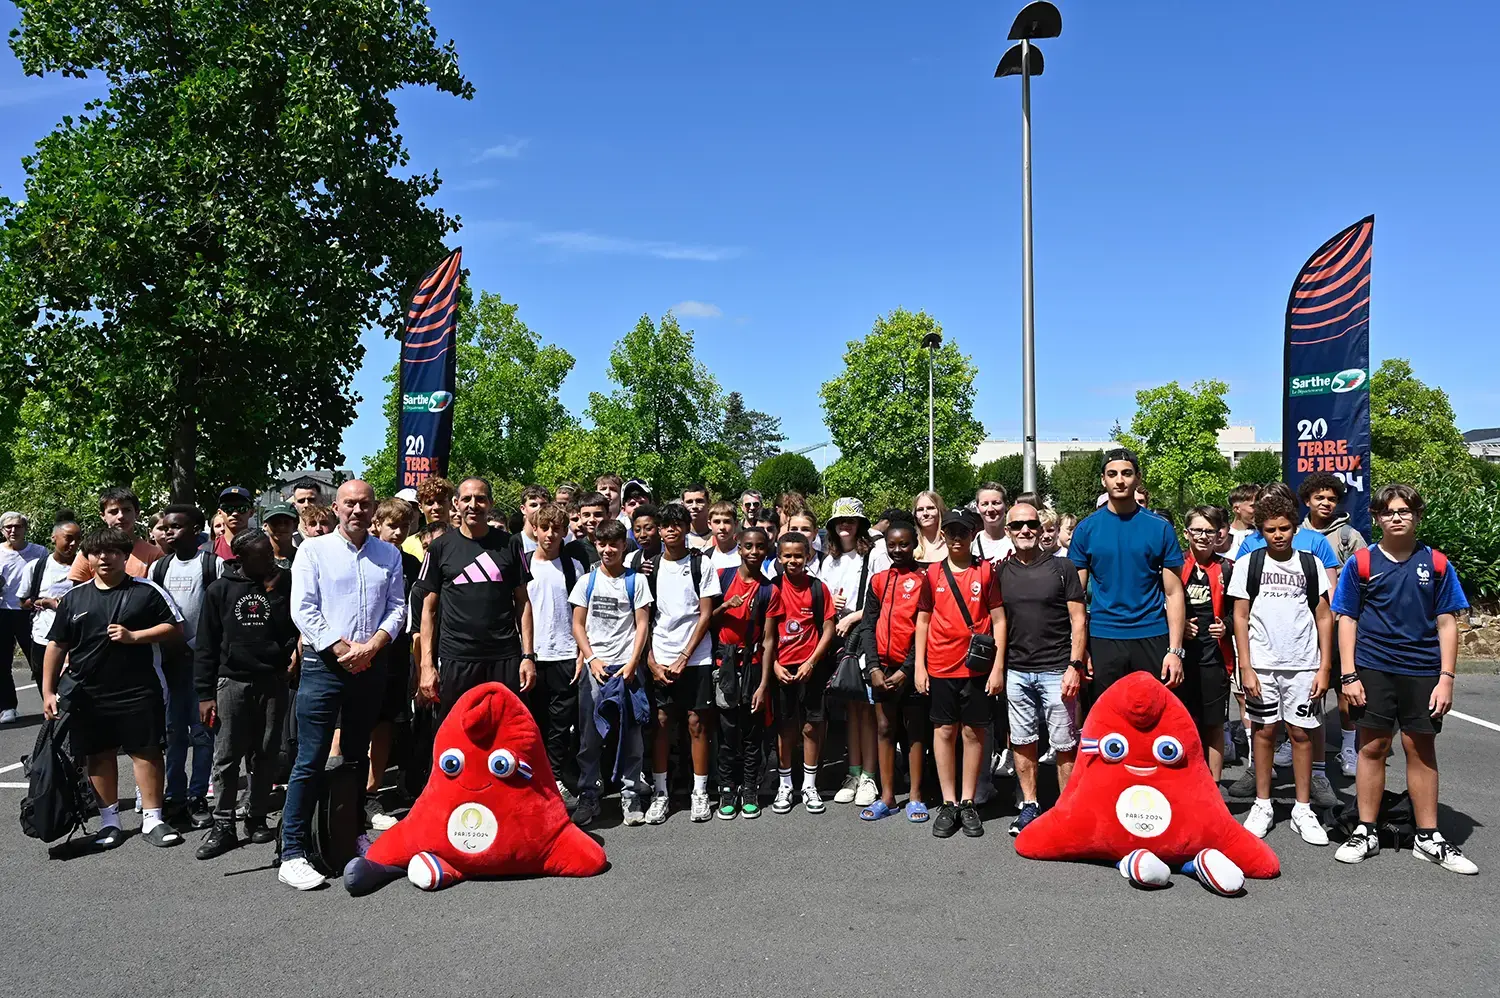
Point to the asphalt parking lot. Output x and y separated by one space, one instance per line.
796 904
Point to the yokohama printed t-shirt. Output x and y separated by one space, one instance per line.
1283 630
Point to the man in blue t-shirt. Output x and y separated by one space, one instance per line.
1138 615
1399 642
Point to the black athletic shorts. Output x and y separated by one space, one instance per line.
908 692
960 701
395 703
1204 690
809 699
134 721
1393 701
1116 658
693 690
459 676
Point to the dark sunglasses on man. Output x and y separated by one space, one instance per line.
1020 525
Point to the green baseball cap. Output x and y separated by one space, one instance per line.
278 509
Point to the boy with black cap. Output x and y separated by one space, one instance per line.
236 504
959 621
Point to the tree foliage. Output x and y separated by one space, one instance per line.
876 411
1412 428
1075 483
198 252
786 473
1259 467
1010 471
53 470
505 404
1175 432
752 436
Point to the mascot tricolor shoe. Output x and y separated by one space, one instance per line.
1141 798
490 807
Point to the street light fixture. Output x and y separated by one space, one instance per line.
930 343
1036 20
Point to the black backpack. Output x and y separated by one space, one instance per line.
695 566
569 573
1310 570
1396 826
60 798
338 818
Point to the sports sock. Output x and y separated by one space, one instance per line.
809 777
1348 737
109 817
150 818
1426 833
1302 806
700 784
1031 802
659 782
1320 766
855 771
1262 801
785 776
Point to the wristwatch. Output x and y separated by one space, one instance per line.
528 654
1076 664
1181 653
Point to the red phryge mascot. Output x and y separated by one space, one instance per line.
490 808
1141 797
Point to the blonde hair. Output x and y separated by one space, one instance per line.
1048 516
940 543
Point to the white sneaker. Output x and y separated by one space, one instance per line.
868 792
1359 846
1260 819
700 810
1047 758
8 716
1283 755
785 799
300 874
812 800
630 804
847 791
661 806
1444 853
1307 825
1005 766
1348 760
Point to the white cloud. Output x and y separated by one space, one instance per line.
696 310
509 149
590 242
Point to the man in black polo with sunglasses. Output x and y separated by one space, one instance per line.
1041 658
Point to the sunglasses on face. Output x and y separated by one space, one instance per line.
236 508
1019 525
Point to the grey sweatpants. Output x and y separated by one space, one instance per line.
634 787
250 720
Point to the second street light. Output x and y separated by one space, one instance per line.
930 343
1036 20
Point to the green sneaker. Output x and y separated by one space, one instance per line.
749 805
729 804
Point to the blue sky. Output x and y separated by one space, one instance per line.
794 170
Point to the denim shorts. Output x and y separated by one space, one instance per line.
1035 697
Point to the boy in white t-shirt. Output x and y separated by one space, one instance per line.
681 659
558 665
724 528
611 622
1283 629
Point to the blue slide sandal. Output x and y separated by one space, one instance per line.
916 812
875 812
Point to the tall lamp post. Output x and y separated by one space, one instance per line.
1036 20
930 343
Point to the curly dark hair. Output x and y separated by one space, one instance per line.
1317 482
1274 504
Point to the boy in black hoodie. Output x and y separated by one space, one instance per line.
246 640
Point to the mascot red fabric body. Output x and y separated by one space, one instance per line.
490 808
1141 786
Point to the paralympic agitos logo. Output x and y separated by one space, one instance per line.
426 401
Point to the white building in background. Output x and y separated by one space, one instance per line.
1484 444
1234 443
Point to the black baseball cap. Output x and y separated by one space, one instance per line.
236 492
965 520
1120 454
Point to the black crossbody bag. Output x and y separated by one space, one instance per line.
982 647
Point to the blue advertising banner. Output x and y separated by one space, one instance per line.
427 373
1325 423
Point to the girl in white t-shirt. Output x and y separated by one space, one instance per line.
845 570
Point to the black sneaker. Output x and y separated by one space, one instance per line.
729 804
257 831
220 839
947 820
198 814
586 810
569 798
968 816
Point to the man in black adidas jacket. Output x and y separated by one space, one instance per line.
246 642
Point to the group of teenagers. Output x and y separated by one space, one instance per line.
635 630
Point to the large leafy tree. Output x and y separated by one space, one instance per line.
505 404
753 436
1075 482
786 473
876 411
1413 430
1175 432
1010 471
198 252
1259 467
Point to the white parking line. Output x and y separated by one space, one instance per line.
1474 720
14 765
15 786
31 686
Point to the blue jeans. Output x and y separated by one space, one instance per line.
185 730
328 698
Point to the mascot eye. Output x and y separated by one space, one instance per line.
502 762
451 762
1167 749
1113 747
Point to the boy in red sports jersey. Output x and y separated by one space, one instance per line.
742 687
803 613
960 600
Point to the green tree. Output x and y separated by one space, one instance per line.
505 405
666 413
1175 432
1075 482
876 411
1010 471
752 436
1259 467
786 473
1413 431
198 252
53 470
